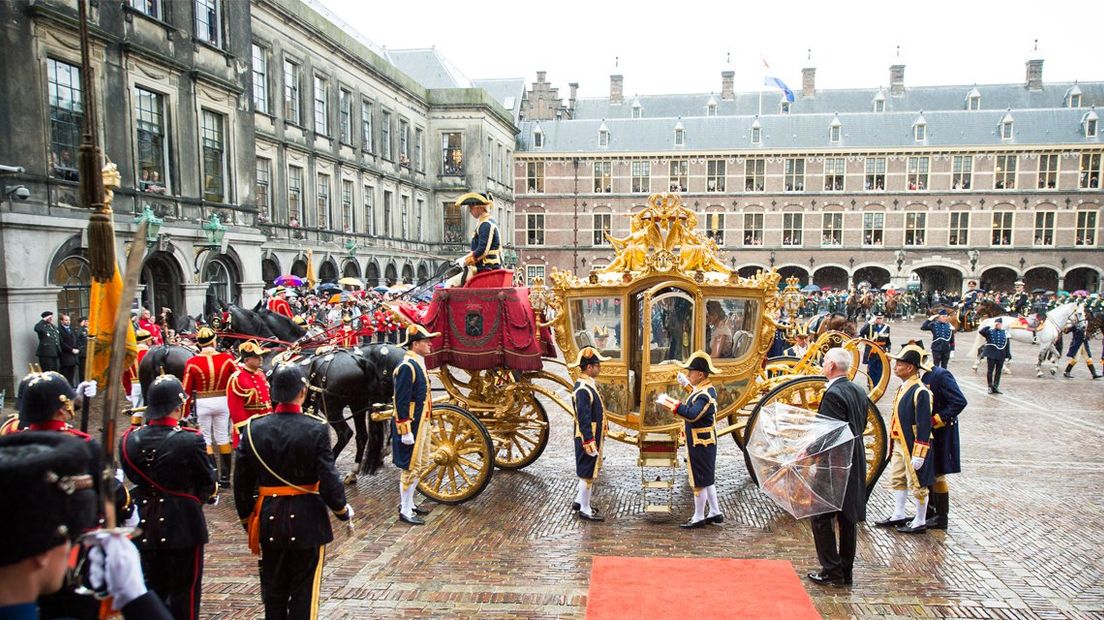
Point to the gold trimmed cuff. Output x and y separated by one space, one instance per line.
920 450
344 510
937 422
403 426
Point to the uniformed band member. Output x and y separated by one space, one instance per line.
942 338
877 331
247 393
590 430
173 478
284 482
50 474
801 342
410 436
279 304
995 351
947 403
486 242
698 411
206 376
1079 347
910 469
132 385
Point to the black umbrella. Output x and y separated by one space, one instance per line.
328 286
1037 291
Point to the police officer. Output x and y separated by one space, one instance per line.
49 342
284 482
206 376
910 468
410 436
590 430
1079 346
878 332
486 241
995 351
947 402
247 394
942 337
698 412
50 474
173 478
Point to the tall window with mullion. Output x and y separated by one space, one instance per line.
1089 176
834 168
1086 228
641 177
208 14
755 171
345 115
832 230
875 180
452 153
753 229
1004 174
959 231
260 79
348 218
1048 171
366 136
715 227
962 172
153 146
602 226
321 106
295 196
1044 228
322 216
795 174
534 177
603 177
715 175
369 225
917 169
385 138
263 193
291 93
792 228
874 228
149 7
66 118
916 226
679 175
1002 227
212 133
534 229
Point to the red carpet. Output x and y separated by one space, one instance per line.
695 589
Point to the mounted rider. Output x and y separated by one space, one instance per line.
969 299
1020 301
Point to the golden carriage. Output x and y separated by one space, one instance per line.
665 295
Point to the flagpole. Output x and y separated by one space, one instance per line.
762 79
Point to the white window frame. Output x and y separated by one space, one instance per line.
369 225
1002 175
264 180
1007 224
1006 130
1087 224
793 229
834 133
873 168
793 175
714 226
1043 232
916 223
918 173
261 101
680 137
958 235
1047 178
831 229
367 131
753 225
323 202
716 173
603 138
293 103
1089 171
345 115
295 194
962 168
163 128
538 138
348 202
224 148
321 98
532 272
678 175
832 173
755 171
602 222
213 31
534 177
534 229
641 176
874 225
603 177
920 132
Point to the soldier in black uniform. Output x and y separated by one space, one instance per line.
1079 347
995 351
284 483
49 343
173 478
590 430
49 472
942 338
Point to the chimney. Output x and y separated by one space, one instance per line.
617 83
574 90
540 76
808 77
728 80
1035 69
897 76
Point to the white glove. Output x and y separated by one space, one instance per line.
117 569
133 520
951 356
683 379
86 389
407 439
462 262
348 514
119 474
917 462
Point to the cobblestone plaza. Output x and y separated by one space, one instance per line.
1024 539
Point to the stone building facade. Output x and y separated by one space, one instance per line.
938 185
300 137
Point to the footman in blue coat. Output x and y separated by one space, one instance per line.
590 429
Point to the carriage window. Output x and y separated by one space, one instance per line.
730 327
596 322
671 321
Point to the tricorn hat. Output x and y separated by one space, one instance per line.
41 394
165 395
586 357
287 381
912 354
54 492
142 335
473 199
415 332
700 360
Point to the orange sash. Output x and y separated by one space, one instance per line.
255 518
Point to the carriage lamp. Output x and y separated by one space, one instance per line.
153 223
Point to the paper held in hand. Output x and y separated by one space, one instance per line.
665 400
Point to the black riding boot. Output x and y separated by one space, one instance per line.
941 502
224 470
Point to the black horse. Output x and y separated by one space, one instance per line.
166 359
262 323
359 379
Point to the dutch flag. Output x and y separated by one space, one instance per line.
769 80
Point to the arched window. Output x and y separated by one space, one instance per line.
391 274
74 277
372 274
222 281
270 270
408 274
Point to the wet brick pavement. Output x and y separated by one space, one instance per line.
1026 535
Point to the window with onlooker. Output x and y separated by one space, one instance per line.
66 118
834 169
1044 228
962 172
715 227
873 229
959 233
452 153
1002 228
715 175
1089 176
753 229
792 228
603 176
917 173
534 229
875 180
916 227
641 177
151 8
755 174
1004 174
1086 228
1048 171
208 16
832 230
603 223
152 142
794 174
534 177
679 175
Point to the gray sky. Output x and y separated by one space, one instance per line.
681 48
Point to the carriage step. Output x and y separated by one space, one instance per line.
658 462
659 484
656 438
657 509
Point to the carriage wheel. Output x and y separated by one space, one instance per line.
461 457
873 391
806 392
782 365
521 435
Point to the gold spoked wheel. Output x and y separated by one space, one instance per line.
461 456
520 435
806 392
855 346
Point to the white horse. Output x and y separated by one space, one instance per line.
1046 336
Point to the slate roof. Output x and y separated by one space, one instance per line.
506 91
863 130
428 67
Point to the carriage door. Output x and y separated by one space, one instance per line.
668 337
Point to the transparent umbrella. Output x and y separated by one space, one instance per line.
802 459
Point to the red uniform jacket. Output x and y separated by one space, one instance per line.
347 337
207 374
280 306
247 397
130 375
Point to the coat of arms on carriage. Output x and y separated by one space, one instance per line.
473 323
663 237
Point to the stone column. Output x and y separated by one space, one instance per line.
194 296
23 308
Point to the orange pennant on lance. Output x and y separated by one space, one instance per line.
103 308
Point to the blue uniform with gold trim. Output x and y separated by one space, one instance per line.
698 411
590 426
879 334
411 394
486 244
947 401
912 421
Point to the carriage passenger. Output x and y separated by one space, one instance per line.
698 412
720 333
590 430
801 342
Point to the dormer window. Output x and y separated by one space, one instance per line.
1075 101
603 137
879 102
1073 97
680 135
756 133
1090 122
637 109
1006 127
711 107
835 130
973 100
538 138
920 130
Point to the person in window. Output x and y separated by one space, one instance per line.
143 179
155 186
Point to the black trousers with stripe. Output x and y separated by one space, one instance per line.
290 579
176 575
